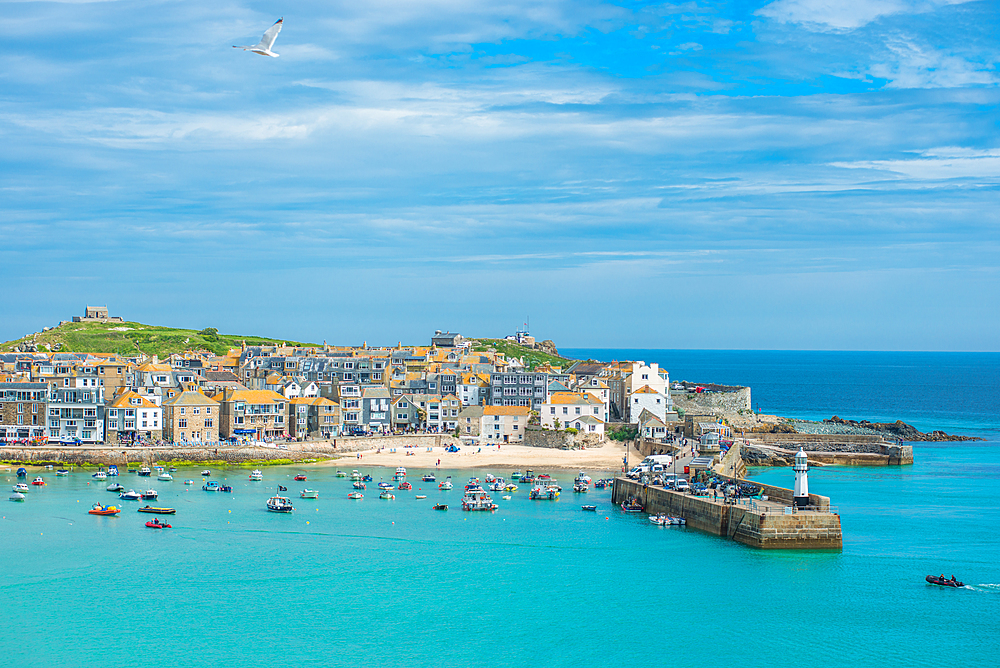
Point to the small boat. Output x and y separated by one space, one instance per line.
943 582
22 472
165 477
602 483
510 487
211 486
658 519
21 488
130 495
366 478
38 482
429 477
589 508
516 475
256 475
632 506
446 484
206 473
49 467
173 469
477 499
61 472
386 494
676 521
490 478
401 471
581 487
309 494
583 477
506 497
225 488
405 485
440 506
279 504
145 471
155 524
359 485
99 509
385 485
420 496
341 474
189 482
355 475
17 496
113 470
115 487
300 477
157 511
355 495
149 494
100 475
496 487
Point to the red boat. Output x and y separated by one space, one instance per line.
301 476
98 509
38 481
155 524
405 485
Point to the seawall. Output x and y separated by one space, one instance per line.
763 526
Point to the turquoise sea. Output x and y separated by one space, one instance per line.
374 582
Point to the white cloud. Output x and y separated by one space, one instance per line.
938 164
910 65
843 15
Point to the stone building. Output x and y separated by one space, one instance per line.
251 413
23 407
97 314
191 417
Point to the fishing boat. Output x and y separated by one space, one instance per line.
113 470
527 477
173 469
62 472
420 496
155 524
157 511
490 478
38 482
115 487
446 484
385 485
309 494
386 494
401 471
279 504
544 489
405 485
17 496
601 484
99 509
300 477
165 477
658 519
225 488
631 506
943 582
355 495
341 474
359 485
21 487
256 475
440 506
100 475
429 477
477 499
366 478
589 508
144 471
473 485
189 482
355 475
516 475
211 486
22 472
581 487
149 494
206 473
130 495
583 477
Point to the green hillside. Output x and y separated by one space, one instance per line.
128 338
532 357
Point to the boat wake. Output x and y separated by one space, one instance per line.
991 588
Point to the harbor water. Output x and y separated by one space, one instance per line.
340 582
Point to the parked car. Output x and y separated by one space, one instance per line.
699 489
680 484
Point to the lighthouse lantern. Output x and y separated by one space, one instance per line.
801 468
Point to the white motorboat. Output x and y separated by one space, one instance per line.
279 504
115 487
100 475
21 487
113 470
165 476
341 474
61 472
206 473
355 475
130 495
256 475
490 478
17 496
309 494
583 477
144 471
581 487
477 499
149 494
545 488
446 484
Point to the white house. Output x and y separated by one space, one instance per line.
503 424
646 398
564 407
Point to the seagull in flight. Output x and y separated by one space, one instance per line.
263 47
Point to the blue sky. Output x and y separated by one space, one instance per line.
800 174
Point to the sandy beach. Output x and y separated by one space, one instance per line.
513 457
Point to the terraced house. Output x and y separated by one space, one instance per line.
256 414
315 417
22 411
191 417
131 417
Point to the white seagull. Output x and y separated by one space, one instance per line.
263 47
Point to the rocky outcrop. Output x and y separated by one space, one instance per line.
548 347
772 428
900 430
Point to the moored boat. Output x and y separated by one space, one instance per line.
366 478
405 485
38 482
279 504
440 506
355 475
309 494
359 485
355 495
632 506
510 487
156 524
100 475
477 499
145 471
428 477
516 475
157 511
589 508
189 482
420 496
386 494
100 509
300 477
256 475
22 472
113 470
446 484
385 485
17 496
21 488
341 474
581 487
115 487
166 477
130 495
211 486
225 488
149 494
62 472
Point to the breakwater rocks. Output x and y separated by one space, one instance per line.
897 430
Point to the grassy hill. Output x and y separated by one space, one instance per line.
128 338
532 358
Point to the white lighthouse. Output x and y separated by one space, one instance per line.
801 468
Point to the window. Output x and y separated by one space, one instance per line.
596 409
87 434
552 410
183 410
144 425
577 410
209 423
111 425
401 416
34 408
196 411
208 410
20 419
182 423
565 410
20 408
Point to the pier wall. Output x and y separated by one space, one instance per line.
755 528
